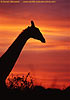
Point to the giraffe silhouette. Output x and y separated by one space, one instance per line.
9 58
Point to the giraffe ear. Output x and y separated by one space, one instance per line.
32 24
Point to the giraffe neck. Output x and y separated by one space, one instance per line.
9 58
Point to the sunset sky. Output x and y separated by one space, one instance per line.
48 63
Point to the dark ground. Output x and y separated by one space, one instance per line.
36 92
28 90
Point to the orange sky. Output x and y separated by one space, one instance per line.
48 63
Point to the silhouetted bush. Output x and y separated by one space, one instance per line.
20 82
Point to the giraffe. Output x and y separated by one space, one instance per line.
9 58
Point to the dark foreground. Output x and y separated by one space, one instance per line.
37 91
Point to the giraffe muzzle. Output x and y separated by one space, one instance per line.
43 40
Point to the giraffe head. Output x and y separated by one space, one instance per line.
35 33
